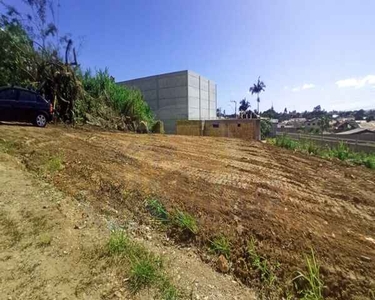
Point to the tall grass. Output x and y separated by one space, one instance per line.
341 151
102 92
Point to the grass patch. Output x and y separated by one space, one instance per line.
221 245
157 210
341 151
186 222
261 264
7 146
146 269
10 228
312 283
54 164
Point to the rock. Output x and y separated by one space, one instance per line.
142 127
365 258
222 264
158 127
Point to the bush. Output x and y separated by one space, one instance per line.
265 128
341 151
102 93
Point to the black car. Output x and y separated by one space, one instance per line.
23 105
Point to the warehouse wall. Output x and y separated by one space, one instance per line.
167 95
202 102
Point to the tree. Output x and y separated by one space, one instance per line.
370 118
257 88
324 123
244 105
359 115
285 111
317 109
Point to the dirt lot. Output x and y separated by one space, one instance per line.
287 201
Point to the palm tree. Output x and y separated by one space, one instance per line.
257 89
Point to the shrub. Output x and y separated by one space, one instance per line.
186 222
102 93
157 210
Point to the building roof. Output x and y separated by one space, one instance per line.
356 130
367 125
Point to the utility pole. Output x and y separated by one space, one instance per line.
235 108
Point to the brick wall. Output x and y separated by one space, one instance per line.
236 128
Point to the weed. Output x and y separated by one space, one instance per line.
143 273
221 245
157 210
261 264
313 290
168 291
186 222
7 146
118 242
54 164
45 240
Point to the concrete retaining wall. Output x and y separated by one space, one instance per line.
236 128
183 95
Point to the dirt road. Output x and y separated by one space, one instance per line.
287 201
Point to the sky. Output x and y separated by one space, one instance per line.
308 53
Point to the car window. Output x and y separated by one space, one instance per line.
27 96
8 94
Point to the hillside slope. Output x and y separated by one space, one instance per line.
287 202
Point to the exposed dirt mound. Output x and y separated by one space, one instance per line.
288 202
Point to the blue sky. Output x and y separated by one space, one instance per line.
307 52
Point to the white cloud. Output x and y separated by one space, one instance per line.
305 86
357 82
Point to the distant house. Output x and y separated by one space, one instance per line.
367 125
312 124
346 125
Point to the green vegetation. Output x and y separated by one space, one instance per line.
265 128
341 151
221 245
35 55
143 273
183 221
157 210
54 164
146 269
7 146
314 284
105 99
186 222
261 264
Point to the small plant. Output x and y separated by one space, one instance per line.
261 264
143 273
7 146
157 210
54 164
118 242
168 291
221 245
186 222
313 291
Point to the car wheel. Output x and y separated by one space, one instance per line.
40 120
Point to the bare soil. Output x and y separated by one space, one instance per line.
289 202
